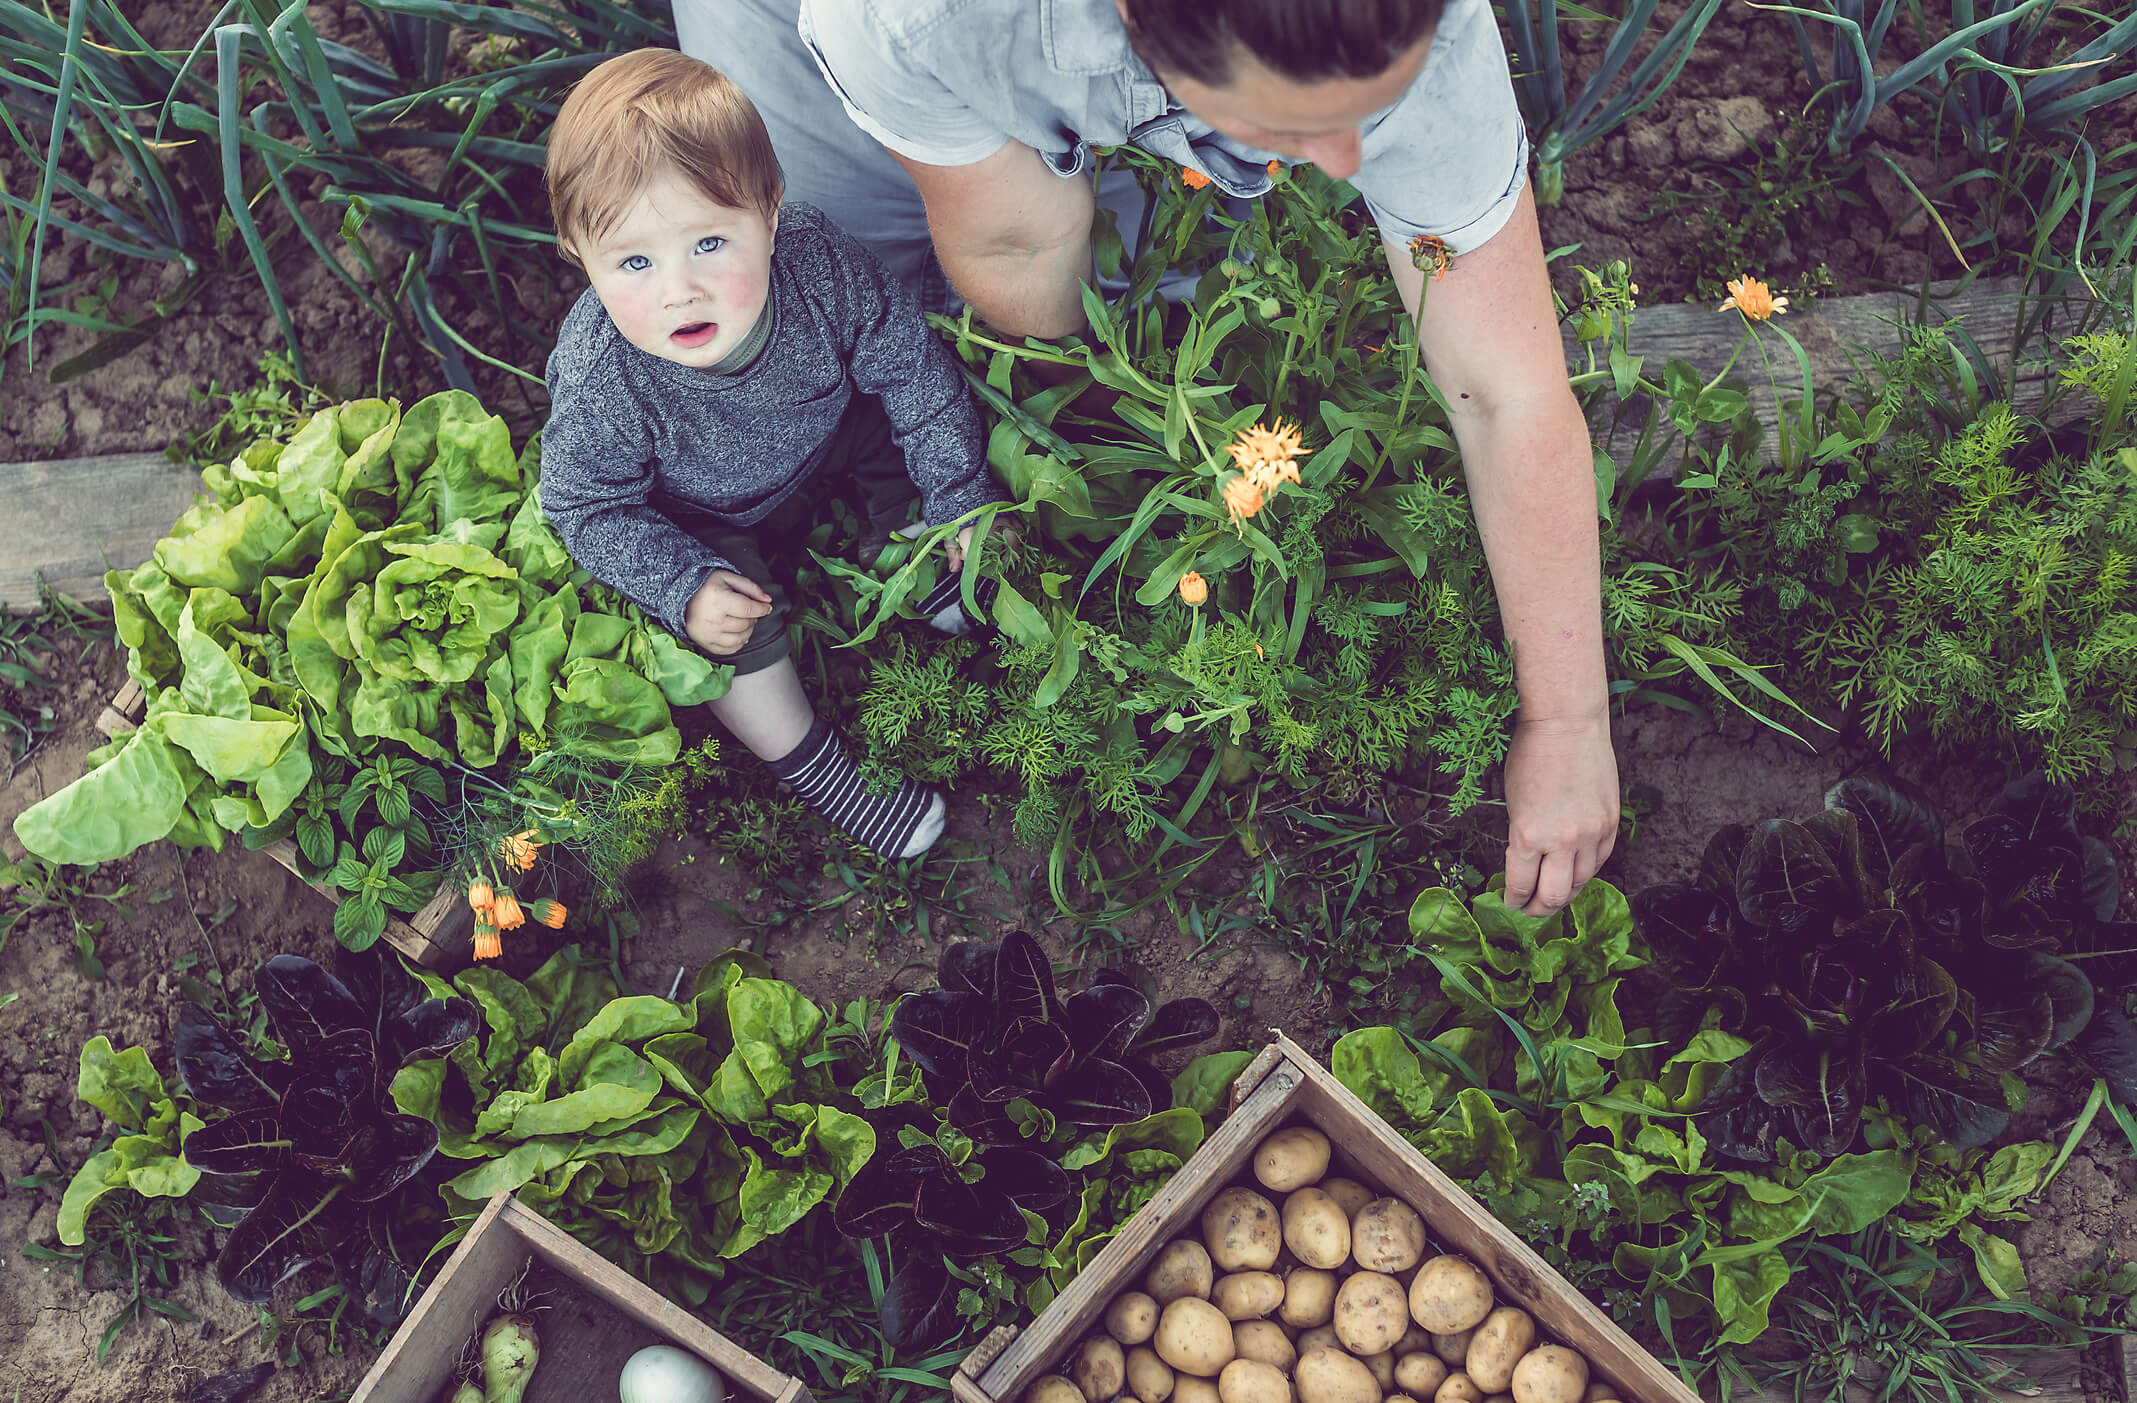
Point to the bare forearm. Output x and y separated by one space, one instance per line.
1532 486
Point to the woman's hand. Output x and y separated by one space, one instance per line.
724 611
1561 809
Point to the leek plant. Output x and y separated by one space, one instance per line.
1564 123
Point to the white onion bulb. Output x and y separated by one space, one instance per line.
665 1374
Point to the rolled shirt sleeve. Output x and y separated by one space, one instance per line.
887 94
1449 160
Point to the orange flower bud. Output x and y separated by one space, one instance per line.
549 911
520 850
1193 179
479 895
487 945
508 914
1242 498
1193 588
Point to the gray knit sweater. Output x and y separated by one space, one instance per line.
623 423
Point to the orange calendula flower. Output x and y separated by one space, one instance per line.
1193 588
1753 298
1242 498
520 849
1264 455
549 911
507 912
1276 167
487 945
1193 179
1429 254
479 895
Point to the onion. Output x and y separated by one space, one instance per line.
665 1374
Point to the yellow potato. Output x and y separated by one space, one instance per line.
1250 1381
1309 1297
1506 1335
1452 1347
1386 1236
1194 1337
1371 1314
1349 1194
1132 1318
1292 1159
1398 1398
1241 1230
1319 1337
1099 1368
1458 1387
1150 1378
1382 1367
1600 1391
1182 1269
1449 1294
1264 1342
1054 1389
1315 1229
1331 1376
1186 1388
1500 1398
1420 1374
1550 1374
1415 1340
1247 1295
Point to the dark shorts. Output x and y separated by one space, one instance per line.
863 464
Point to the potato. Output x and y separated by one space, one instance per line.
1331 1376
1371 1314
1132 1318
1315 1230
1500 1398
1182 1269
1319 1337
1506 1335
1099 1370
1249 1381
1550 1374
1149 1377
1600 1391
1309 1297
1458 1387
1054 1389
1382 1367
1386 1236
1452 1347
1449 1294
1349 1194
1415 1340
1247 1295
1292 1159
1186 1388
1264 1342
1420 1374
1194 1337
1241 1230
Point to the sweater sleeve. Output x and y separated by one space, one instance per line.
597 477
896 356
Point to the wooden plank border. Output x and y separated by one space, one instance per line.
433 936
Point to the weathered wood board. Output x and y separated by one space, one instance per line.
593 1317
71 519
442 931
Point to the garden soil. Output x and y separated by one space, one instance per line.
1741 87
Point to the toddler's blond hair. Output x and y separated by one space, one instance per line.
639 114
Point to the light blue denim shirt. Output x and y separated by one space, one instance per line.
949 82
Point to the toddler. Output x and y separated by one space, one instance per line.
732 352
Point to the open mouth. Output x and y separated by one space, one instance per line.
695 334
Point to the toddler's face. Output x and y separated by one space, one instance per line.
683 278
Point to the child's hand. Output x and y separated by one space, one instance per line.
1005 536
724 611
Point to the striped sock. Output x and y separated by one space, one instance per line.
899 825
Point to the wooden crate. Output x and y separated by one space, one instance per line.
1285 1086
594 1318
442 932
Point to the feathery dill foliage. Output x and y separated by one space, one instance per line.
603 818
1999 607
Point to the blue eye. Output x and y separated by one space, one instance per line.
636 263
711 243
